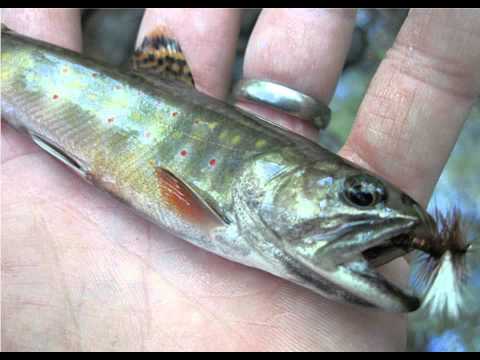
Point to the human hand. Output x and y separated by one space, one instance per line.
81 272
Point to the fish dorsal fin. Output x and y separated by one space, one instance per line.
186 201
160 56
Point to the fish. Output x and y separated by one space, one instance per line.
223 179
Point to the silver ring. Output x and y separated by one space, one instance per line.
284 99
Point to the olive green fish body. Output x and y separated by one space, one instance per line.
225 180
122 130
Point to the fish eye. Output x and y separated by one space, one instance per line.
364 191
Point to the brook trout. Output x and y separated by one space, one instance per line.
224 180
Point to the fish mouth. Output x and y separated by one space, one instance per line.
392 296
400 245
359 280
395 247
366 279
387 293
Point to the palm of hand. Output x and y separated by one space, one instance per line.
81 272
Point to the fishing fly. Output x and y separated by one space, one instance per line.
443 271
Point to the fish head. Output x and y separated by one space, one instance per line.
337 223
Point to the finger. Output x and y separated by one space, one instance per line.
301 48
208 38
306 49
419 99
57 26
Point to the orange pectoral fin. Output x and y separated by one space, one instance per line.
183 200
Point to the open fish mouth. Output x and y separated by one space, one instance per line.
401 244
386 293
358 279
390 295
397 246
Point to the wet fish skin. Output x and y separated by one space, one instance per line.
225 180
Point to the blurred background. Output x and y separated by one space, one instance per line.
109 35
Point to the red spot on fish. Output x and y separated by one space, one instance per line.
65 70
111 120
183 153
55 97
147 134
94 75
213 162
174 113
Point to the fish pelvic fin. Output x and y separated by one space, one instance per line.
160 55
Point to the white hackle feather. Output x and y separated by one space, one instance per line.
446 275
445 293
